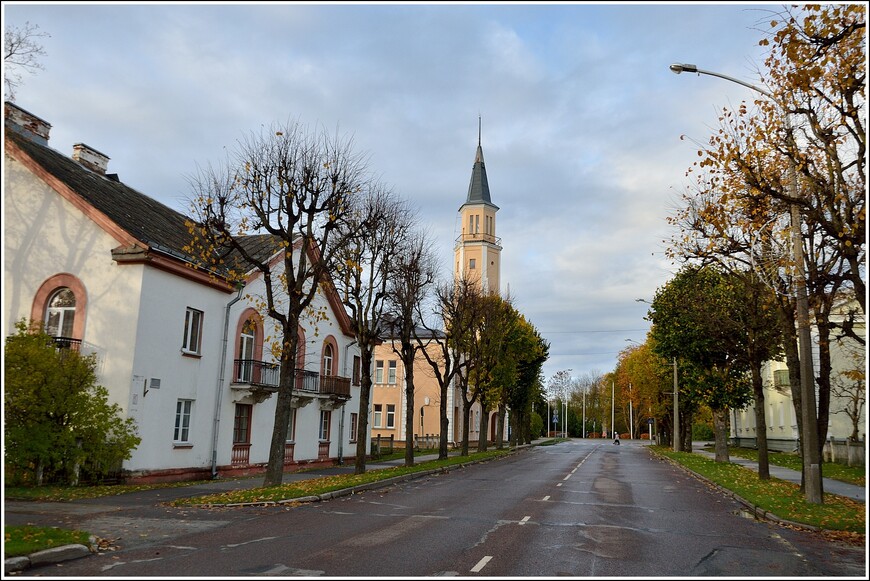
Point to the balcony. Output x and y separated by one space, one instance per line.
478 237
261 379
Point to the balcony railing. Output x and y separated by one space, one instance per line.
478 237
262 374
68 343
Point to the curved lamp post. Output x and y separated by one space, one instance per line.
810 441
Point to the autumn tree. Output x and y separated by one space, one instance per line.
278 207
530 351
374 231
22 51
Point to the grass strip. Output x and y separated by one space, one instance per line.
851 474
779 497
326 484
24 540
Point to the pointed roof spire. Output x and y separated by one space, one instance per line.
478 188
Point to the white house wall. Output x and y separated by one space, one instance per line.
164 302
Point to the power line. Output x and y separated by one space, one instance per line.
602 331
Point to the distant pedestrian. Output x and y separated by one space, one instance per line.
616 438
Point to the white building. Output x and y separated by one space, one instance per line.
847 356
104 267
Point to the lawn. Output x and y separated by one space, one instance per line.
24 540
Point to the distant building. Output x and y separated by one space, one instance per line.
477 253
182 352
847 357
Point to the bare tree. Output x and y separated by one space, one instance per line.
376 229
414 273
455 306
21 53
294 189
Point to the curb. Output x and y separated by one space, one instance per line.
46 557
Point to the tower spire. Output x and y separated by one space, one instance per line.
479 125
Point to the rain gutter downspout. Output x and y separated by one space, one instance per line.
220 386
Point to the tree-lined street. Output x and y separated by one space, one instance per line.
581 508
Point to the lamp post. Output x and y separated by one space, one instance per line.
810 440
612 409
678 444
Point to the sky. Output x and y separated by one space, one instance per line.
586 133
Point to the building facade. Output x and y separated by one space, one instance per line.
185 354
848 399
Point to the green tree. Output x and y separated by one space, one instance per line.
57 420
693 321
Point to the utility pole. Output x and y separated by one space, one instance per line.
678 446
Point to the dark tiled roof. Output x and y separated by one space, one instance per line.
478 187
146 219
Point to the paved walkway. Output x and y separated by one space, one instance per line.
829 485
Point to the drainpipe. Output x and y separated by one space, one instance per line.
220 387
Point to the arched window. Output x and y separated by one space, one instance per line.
327 359
247 340
60 313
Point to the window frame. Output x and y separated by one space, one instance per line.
354 425
324 425
181 432
391 416
392 372
377 415
379 371
193 322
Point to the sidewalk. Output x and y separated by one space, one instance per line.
829 485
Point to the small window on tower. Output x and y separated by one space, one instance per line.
472 263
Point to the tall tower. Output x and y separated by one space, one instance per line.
477 254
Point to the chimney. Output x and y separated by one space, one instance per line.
90 158
26 124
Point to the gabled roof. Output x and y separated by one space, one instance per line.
144 219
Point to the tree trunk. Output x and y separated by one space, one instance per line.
720 431
760 423
499 428
365 388
283 406
466 413
408 353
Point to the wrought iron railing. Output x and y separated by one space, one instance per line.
262 374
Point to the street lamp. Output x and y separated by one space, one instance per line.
808 395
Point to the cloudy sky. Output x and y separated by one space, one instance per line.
581 120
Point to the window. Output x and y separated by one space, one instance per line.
477 224
61 313
472 263
379 371
357 365
391 378
327 359
353 427
471 224
325 417
780 378
378 412
391 415
192 331
291 427
242 424
181 435
246 353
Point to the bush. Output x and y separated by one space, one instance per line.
702 432
58 421
537 425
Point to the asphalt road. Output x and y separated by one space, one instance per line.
583 508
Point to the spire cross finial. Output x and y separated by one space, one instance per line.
479 123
